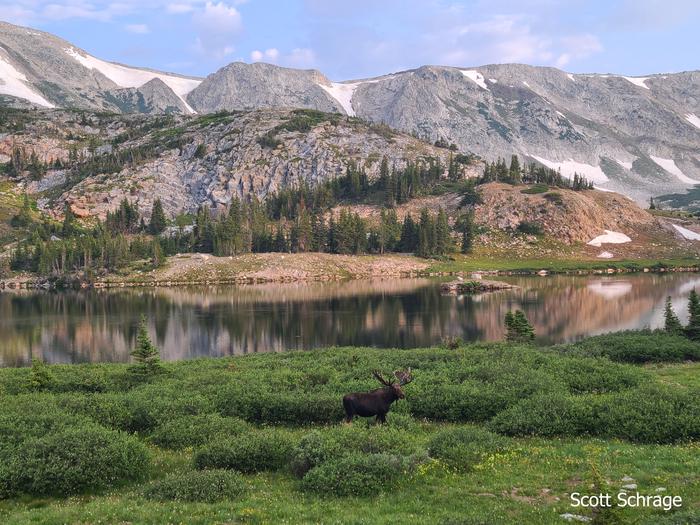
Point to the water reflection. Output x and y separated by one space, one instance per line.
216 321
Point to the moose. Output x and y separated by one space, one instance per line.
377 402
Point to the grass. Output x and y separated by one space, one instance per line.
528 481
470 263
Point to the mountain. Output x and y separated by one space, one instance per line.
639 136
49 72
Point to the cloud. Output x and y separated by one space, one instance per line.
139 29
299 57
217 26
269 55
179 8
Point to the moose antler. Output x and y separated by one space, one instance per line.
379 378
404 376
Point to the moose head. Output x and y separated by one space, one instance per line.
377 402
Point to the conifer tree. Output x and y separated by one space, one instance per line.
671 323
146 355
158 220
68 221
518 328
692 331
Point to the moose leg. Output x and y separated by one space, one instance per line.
381 418
349 411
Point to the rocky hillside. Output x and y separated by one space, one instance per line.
636 135
194 161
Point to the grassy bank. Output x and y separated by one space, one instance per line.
487 434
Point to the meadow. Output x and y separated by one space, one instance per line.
488 433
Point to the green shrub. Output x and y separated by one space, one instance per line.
546 415
73 461
554 197
258 404
193 431
207 486
464 447
652 414
356 475
251 452
595 376
320 446
639 346
535 189
530 228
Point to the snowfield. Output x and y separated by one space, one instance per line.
686 233
12 82
128 77
693 119
610 237
637 81
626 165
605 255
670 166
476 77
343 94
569 167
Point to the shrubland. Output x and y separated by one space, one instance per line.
501 429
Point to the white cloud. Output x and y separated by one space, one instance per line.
217 26
269 55
179 8
139 29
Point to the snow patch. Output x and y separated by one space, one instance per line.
493 80
570 77
526 85
13 82
343 94
569 167
475 76
686 233
637 81
605 255
609 237
670 166
693 119
129 77
610 289
626 165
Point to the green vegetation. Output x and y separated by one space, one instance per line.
259 438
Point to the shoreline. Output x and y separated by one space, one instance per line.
254 269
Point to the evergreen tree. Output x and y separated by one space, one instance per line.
518 328
465 225
24 217
157 257
443 240
652 205
692 331
671 323
280 241
68 221
409 235
39 376
158 221
146 355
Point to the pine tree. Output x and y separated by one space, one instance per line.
465 225
652 205
518 328
692 331
671 323
146 355
158 220
157 257
39 376
68 221
443 240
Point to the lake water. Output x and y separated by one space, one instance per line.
100 325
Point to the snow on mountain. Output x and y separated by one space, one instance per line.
637 81
569 167
670 166
476 77
609 237
128 77
687 234
625 164
693 119
13 83
343 94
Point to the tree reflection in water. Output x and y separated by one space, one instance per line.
100 325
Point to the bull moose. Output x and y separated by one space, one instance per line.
377 402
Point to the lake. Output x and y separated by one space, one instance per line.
100 325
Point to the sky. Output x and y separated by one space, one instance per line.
363 38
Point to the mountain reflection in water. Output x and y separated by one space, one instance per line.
100 325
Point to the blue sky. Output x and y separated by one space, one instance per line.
361 38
